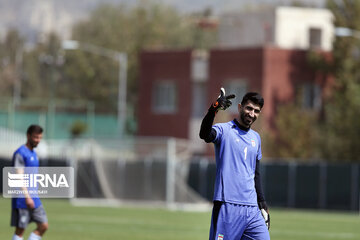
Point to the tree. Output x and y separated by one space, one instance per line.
147 25
341 128
296 135
41 66
11 53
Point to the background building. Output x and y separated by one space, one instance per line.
176 87
282 27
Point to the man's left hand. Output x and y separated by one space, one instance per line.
266 216
265 213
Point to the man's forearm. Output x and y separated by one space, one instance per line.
206 131
258 185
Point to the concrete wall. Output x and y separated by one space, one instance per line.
282 27
293 24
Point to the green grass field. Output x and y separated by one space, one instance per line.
107 223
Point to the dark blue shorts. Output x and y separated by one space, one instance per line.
237 222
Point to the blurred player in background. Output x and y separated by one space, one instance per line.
28 208
239 206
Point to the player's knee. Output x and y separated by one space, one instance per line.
43 227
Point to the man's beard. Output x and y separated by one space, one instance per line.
247 121
33 144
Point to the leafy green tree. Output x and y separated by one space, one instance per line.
10 54
296 135
147 25
341 128
42 70
332 134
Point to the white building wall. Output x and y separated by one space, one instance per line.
284 27
292 26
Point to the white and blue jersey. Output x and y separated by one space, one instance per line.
24 157
236 153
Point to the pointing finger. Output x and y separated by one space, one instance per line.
231 96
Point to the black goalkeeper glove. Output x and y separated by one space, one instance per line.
222 102
265 213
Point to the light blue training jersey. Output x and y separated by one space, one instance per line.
236 153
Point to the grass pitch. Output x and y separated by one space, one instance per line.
108 223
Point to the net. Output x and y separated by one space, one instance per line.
141 170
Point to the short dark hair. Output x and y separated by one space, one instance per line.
253 97
34 129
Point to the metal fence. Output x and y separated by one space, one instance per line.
57 118
294 185
144 171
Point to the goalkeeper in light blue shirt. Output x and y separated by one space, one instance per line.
240 211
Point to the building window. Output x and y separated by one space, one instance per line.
315 38
311 96
164 98
199 69
199 105
237 87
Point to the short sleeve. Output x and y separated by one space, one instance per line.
259 154
219 132
19 161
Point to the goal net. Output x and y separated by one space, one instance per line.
134 171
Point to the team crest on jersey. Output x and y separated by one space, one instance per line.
253 143
220 237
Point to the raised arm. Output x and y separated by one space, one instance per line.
207 133
222 102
